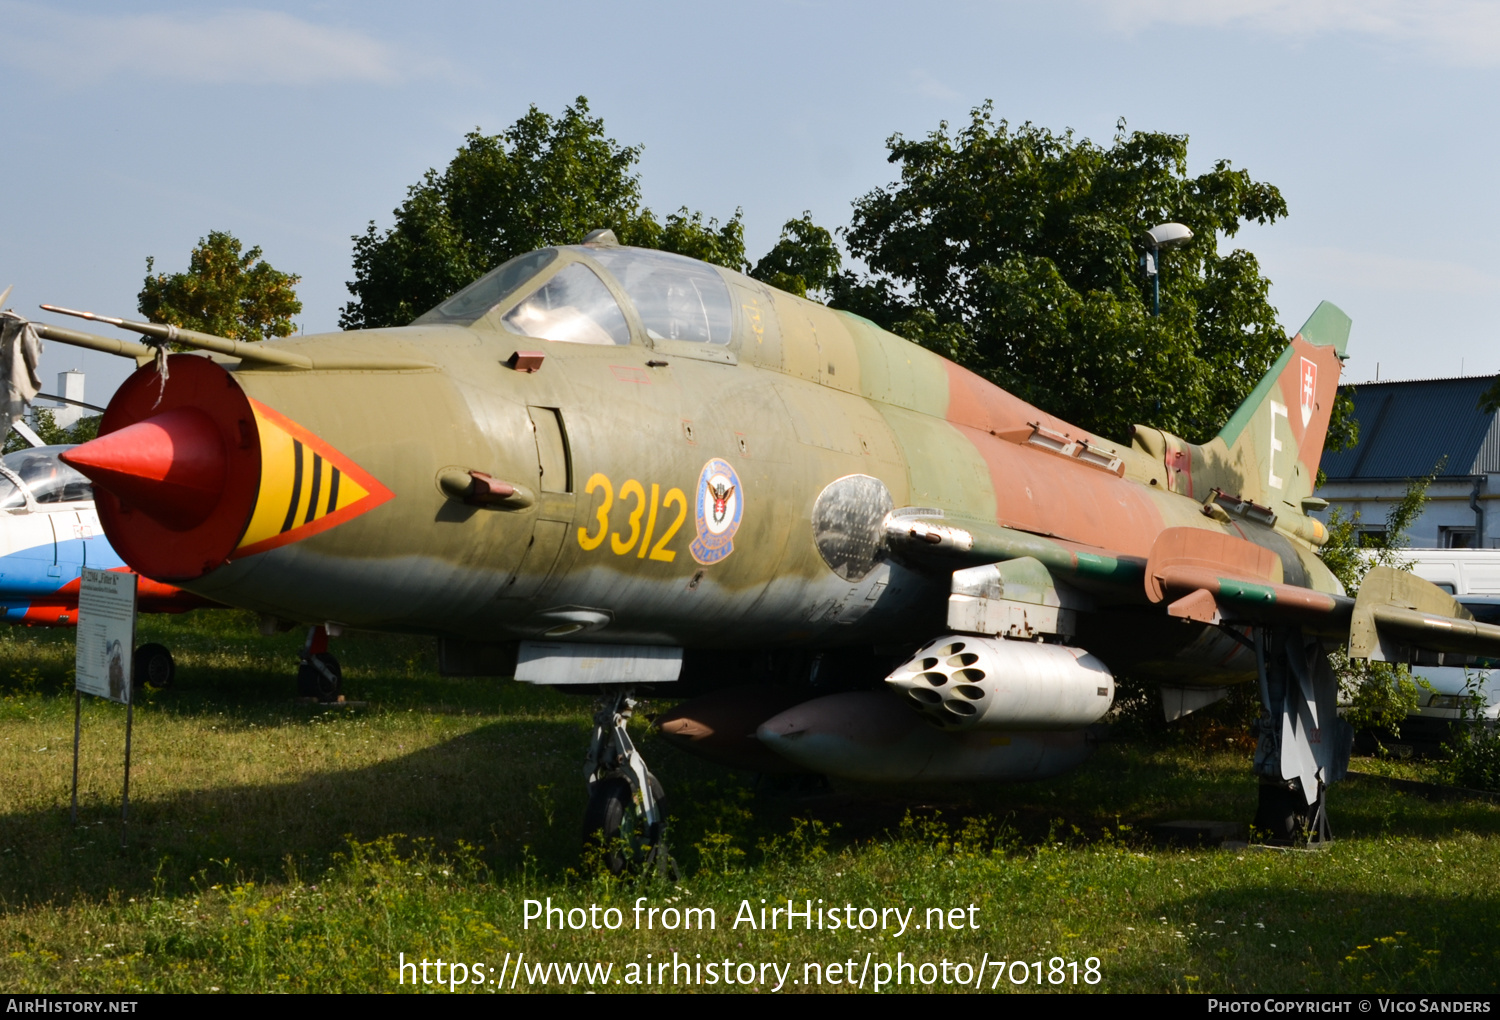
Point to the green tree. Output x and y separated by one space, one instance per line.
226 291
1490 401
1343 428
685 233
805 261
48 431
1017 252
543 181
1474 748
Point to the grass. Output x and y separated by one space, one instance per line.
277 846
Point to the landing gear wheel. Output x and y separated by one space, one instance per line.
319 676
626 818
1284 818
613 823
154 666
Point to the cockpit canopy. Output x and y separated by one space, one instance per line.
596 294
39 472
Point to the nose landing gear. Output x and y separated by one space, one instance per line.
626 814
318 672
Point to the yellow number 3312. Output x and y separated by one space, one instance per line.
638 539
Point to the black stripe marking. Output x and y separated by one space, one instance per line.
333 491
291 511
317 483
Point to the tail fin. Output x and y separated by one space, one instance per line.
1269 450
1272 444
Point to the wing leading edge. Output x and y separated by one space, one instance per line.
1019 584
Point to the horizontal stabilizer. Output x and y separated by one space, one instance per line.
1398 614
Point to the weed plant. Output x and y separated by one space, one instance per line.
276 846
1474 751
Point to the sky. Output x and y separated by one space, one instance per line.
133 129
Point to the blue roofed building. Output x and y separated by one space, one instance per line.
1406 429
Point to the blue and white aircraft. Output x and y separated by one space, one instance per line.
49 532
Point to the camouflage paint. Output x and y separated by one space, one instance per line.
612 442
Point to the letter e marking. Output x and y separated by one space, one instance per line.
1271 479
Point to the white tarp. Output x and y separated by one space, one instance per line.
20 353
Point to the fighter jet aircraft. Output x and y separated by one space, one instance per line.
620 470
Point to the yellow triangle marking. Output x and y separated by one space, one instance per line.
306 486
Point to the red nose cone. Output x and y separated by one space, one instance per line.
171 467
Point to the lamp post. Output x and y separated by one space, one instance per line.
1165 235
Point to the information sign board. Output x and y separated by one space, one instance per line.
106 634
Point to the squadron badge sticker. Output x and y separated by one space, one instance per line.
717 512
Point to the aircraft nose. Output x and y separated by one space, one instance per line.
192 473
171 467
176 468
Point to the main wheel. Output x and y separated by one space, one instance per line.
323 684
154 666
1283 817
613 823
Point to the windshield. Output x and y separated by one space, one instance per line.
49 479
11 496
489 290
677 298
574 307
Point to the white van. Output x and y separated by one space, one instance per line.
1458 571
1472 576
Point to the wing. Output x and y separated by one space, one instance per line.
1194 574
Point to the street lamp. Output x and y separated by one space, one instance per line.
1166 235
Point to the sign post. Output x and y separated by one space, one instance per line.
105 660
